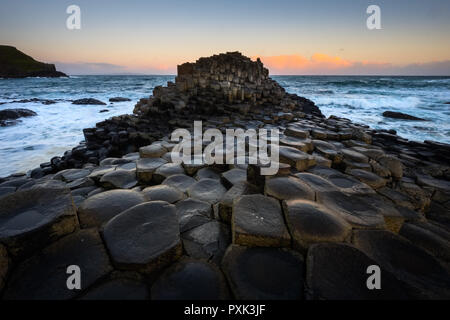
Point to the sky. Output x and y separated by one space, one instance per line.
290 36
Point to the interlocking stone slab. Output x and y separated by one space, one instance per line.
120 178
70 175
368 178
226 203
131 166
207 173
44 275
316 183
264 273
397 197
356 209
180 181
208 190
15 182
233 176
339 272
393 165
296 158
118 289
328 150
419 270
295 131
428 240
98 172
81 183
163 193
100 208
155 150
207 241
310 222
6 190
190 279
145 237
193 213
34 217
354 156
368 151
434 228
197 163
113 161
343 182
285 188
146 167
304 145
321 161
167 170
258 221
425 180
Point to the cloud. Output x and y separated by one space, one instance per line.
320 63
89 68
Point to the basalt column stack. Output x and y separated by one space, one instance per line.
222 84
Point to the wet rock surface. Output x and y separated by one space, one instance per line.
102 207
248 281
145 237
191 280
44 275
258 221
345 197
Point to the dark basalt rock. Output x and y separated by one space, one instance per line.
163 193
207 241
264 273
9 116
258 221
119 99
36 216
43 277
310 223
339 272
103 206
145 238
400 115
16 64
191 280
420 271
88 101
118 289
192 213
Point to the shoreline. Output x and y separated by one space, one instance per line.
345 197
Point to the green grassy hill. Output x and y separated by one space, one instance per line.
16 64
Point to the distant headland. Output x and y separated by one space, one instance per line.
16 64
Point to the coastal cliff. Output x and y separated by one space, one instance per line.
141 226
16 64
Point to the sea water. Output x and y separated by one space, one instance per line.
58 127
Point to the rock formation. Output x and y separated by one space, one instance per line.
16 64
10 117
345 197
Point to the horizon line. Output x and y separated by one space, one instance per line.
277 75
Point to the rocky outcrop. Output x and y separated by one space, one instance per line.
400 115
9 117
16 64
345 197
88 101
